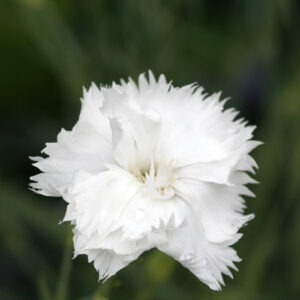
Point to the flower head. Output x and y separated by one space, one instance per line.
152 165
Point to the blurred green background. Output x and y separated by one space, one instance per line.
49 49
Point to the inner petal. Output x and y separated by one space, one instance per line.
164 176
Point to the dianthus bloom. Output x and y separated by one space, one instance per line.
152 166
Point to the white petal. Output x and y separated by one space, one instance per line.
197 130
215 171
108 263
145 214
218 208
92 101
204 259
82 149
50 184
124 146
100 199
134 137
143 83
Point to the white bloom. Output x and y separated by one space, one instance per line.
152 165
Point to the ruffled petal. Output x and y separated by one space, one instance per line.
108 263
92 101
219 208
83 149
188 245
145 214
97 201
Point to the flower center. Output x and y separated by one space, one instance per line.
158 177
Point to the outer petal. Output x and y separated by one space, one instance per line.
218 207
204 259
196 129
92 102
81 149
96 201
87 147
221 171
108 263
214 171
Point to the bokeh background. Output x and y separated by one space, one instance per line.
49 49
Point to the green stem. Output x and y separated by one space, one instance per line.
64 276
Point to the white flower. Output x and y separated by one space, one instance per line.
152 165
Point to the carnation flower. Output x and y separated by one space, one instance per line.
153 166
